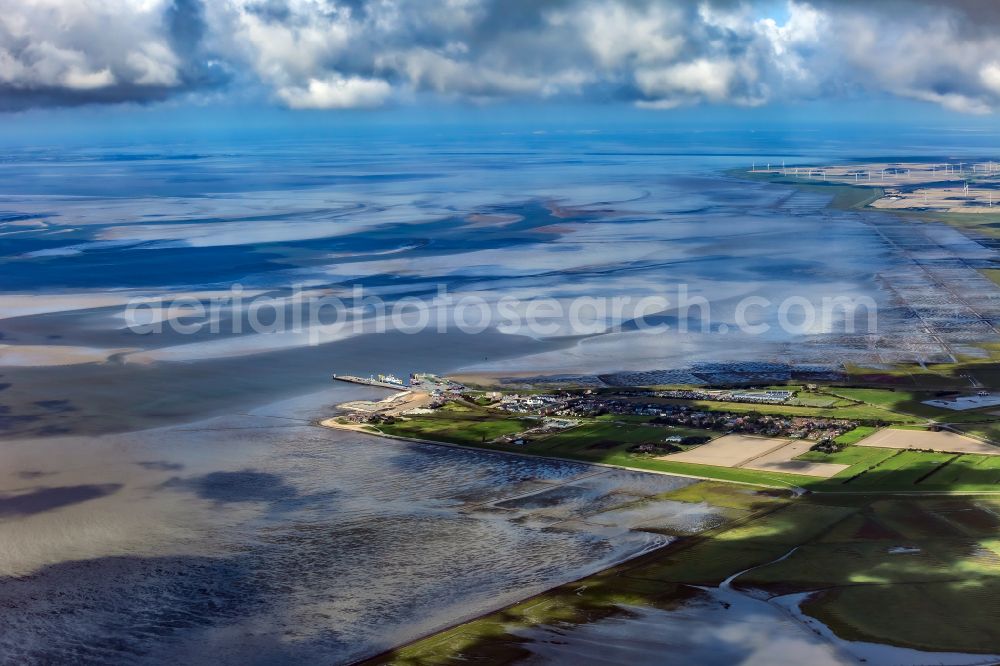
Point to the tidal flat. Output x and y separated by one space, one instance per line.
783 581
593 217
261 537
169 496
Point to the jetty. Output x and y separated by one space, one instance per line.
382 381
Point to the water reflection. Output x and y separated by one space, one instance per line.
261 537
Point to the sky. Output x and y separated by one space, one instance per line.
87 67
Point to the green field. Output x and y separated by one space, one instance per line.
803 399
893 470
900 401
735 474
458 424
843 548
913 617
853 411
990 431
856 435
608 440
967 472
598 438
858 457
902 470
895 406
931 378
875 595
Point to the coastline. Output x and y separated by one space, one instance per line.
797 490
622 566
477 631
624 563
635 559
238 473
332 423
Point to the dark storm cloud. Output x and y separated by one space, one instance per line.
62 53
365 53
185 24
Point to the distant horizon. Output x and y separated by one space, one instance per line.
166 71
171 122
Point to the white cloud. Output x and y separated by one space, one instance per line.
951 101
154 64
76 79
335 92
989 74
77 47
702 78
450 75
655 53
618 34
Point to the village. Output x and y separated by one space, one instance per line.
666 414
551 412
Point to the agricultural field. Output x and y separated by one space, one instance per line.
729 450
928 378
899 401
990 431
789 459
889 405
879 558
879 570
611 439
856 435
804 399
457 424
596 438
893 568
858 458
897 438
894 470
904 470
599 440
766 454
969 471
858 411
